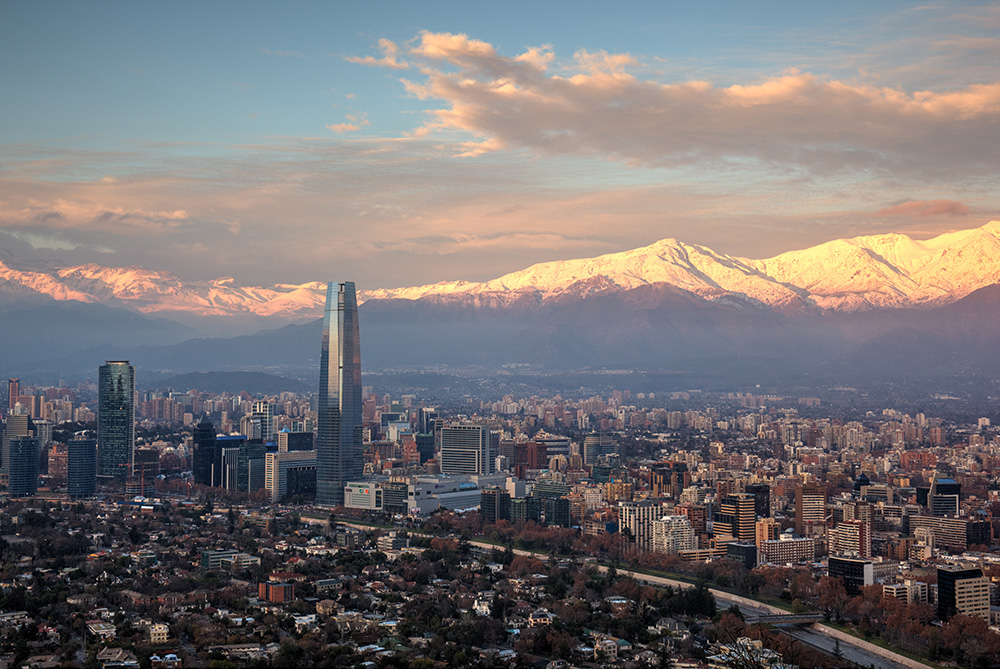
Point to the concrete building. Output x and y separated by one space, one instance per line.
962 590
290 473
672 534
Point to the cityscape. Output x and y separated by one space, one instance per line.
562 335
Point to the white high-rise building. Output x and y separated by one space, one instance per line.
635 518
672 534
466 448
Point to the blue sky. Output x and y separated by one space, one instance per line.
400 143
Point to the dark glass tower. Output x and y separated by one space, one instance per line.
204 452
81 464
338 437
115 419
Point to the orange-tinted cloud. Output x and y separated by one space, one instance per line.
596 105
390 53
926 208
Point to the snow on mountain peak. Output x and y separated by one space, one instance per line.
873 271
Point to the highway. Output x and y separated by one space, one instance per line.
851 648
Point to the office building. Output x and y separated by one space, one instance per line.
557 511
13 390
262 412
289 474
495 505
339 432
525 508
810 510
597 444
943 497
957 534
425 420
854 572
762 498
466 448
81 468
962 590
115 419
203 439
294 441
14 426
736 518
22 468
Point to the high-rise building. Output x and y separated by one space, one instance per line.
425 420
810 510
339 432
290 473
204 452
962 590
15 426
672 534
22 468
736 518
852 537
115 419
494 505
855 572
13 390
81 468
263 411
944 496
557 511
294 441
466 449
762 498
635 519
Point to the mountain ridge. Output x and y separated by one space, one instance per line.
886 271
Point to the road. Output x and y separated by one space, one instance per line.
850 648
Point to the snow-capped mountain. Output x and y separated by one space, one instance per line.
876 271
863 273
150 292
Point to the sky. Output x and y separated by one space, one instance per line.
406 143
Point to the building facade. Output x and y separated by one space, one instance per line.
115 419
339 431
962 590
81 468
466 449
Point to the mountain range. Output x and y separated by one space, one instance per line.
869 272
885 304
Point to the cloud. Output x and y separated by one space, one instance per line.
54 243
354 123
390 53
284 54
594 105
924 208
68 214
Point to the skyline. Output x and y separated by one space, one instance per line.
403 145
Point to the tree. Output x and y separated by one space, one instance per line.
832 597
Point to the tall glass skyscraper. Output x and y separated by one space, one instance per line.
339 430
81 468
115 418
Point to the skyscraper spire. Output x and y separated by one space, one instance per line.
339 430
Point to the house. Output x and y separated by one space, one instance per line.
117 658
540 617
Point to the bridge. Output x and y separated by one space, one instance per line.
785 619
